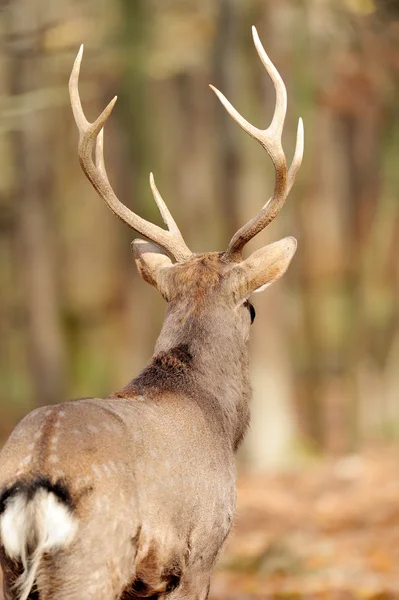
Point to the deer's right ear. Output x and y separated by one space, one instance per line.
153 264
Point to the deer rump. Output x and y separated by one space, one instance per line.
38 524
35 518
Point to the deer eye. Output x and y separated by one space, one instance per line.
251 310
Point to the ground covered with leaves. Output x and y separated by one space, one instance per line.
329 531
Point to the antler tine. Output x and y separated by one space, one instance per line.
270 139
298 155
91 134
81 121
280 109
164 210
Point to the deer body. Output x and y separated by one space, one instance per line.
152 517
159 454
132 496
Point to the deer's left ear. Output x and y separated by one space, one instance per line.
263 267
152 264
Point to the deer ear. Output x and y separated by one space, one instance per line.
152 264
263 267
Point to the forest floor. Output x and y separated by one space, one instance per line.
329 531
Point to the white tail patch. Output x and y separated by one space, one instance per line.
43 523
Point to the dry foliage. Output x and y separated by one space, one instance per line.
330 531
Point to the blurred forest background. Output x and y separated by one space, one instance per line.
76 320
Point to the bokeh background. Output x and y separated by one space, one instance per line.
75 318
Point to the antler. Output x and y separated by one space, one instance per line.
270 139
90 135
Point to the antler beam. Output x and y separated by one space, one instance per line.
270 139
90 136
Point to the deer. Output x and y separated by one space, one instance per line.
133 496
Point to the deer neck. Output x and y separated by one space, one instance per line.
216 360
207 359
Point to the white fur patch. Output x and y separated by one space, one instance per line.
13 527
43 522
58 523
43 518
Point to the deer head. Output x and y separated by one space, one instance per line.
166 262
